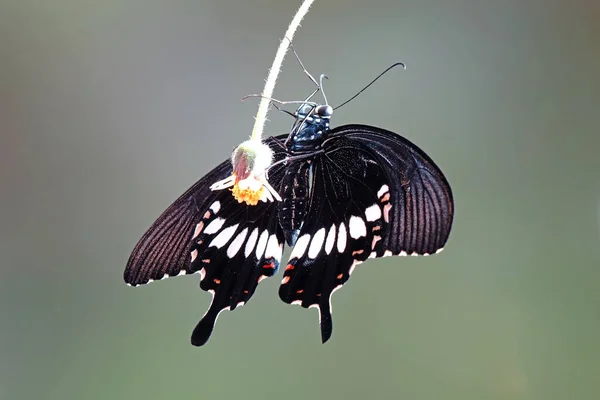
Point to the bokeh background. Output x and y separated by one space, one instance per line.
110 109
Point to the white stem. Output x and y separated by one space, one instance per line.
263 107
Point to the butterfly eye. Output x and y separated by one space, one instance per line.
324 111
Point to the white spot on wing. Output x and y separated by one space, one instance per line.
296 302
357 227
273 248
387 253
384 189
237 243
214 226
216 206
223 237
439 250
202 274
251 242
194 255
182 272
402 254
341 242
316 243
330 240
373 213
300 247
262 243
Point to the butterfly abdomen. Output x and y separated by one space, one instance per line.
293 208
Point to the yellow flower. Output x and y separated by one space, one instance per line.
250 162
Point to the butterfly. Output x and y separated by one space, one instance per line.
336 196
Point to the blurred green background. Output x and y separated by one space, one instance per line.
111 109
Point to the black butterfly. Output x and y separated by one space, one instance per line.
347 194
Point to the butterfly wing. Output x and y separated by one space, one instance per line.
373 194
164 250
234 250
420 206
232 245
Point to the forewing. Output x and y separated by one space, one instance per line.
164 250
417 200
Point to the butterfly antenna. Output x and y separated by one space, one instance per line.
321 86
372 82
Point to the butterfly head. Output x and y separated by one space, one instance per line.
314 112
310 127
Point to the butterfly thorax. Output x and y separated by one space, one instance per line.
309 129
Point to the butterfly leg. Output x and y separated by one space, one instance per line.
303 68
274 104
